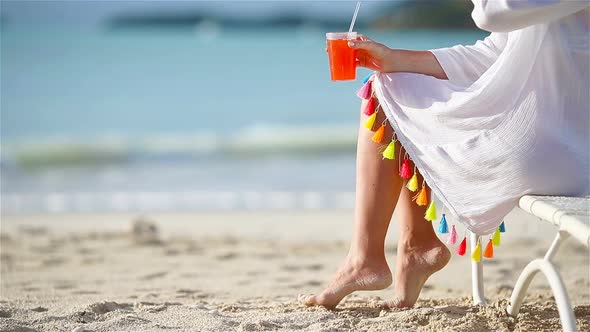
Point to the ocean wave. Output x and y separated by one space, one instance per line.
250 142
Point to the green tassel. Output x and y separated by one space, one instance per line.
389 152
496 237
431 212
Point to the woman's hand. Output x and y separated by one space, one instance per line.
373 55
381 58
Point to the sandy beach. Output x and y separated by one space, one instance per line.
242 271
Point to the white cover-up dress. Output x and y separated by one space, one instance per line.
512 119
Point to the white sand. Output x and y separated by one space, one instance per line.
243 271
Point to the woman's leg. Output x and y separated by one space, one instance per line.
419 251
377 190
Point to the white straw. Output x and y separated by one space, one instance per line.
356 11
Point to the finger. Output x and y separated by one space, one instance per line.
362 44
363 37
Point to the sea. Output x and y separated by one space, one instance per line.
96 119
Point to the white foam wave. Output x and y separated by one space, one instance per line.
250 141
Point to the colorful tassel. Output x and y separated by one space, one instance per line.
369 107
366 79
496 237
365 91
430 214
462 248
371 121
443 228
413 183
502 227
453 237
379 134
389 152
422 197
476 255
489 252
405 172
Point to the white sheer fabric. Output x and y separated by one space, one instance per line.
512 119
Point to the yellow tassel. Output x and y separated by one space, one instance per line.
371 121
421 198
389 152
378 136
496 237
476 256
431 212
413 183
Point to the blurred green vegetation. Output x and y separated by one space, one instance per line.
427 14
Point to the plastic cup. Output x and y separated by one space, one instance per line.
342 58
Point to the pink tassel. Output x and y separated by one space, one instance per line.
453 237
366 91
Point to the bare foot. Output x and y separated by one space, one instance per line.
414 266
349 278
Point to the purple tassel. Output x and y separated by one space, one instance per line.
366 91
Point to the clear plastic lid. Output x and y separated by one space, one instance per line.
341 35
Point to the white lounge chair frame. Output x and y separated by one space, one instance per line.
570 215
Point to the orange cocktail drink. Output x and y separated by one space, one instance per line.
342 57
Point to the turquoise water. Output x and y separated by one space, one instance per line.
99 112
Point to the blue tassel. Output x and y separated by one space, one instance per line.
443 228
366 79
502 227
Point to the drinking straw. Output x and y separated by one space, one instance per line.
356 11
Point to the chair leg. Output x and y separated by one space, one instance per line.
477 275
566 314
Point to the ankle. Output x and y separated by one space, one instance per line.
416 243
362 259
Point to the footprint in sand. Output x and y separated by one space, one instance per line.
30 289
33 230
53 261
154 275
283 279
5 314
290 268
63 285
186 291
39 309
314 267
84 292
227 256
106 306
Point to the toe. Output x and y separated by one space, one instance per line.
308 300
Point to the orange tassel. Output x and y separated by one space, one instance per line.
422 197
378 136
489 252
